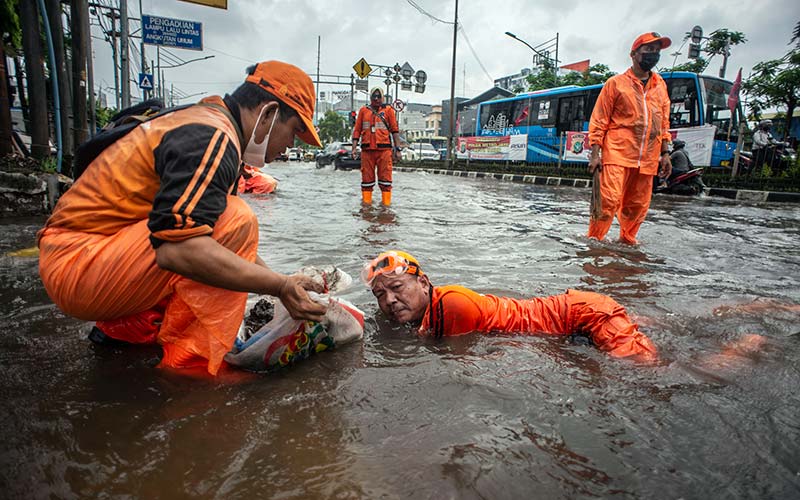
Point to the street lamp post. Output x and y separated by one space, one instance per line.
542 56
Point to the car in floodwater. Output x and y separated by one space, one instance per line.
339 154
420 151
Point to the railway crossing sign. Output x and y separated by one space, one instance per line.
362 68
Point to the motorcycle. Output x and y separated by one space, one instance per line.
687 183
780 156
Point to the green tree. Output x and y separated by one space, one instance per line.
716 45
775 83
693 66
332 127
546 78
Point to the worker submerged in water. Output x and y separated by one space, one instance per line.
406 295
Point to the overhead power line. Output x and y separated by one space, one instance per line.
427 14
474 54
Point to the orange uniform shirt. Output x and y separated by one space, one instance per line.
372 131
456 310
630 121
176 170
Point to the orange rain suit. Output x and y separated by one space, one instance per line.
168 180
455 310
629 123
376 145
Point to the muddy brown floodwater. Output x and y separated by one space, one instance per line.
475 417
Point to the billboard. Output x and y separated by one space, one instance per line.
170 32
506 147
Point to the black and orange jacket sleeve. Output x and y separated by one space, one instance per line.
198 166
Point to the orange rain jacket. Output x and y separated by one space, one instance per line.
370 128
629 121
455 310
170 179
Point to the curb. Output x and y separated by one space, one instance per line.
731 194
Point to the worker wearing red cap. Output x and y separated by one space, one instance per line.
630 128
152 241
406 295
376 127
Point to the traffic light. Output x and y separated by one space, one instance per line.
694 50
352 118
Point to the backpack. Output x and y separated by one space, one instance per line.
118 127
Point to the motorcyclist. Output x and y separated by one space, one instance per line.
762 140
681 163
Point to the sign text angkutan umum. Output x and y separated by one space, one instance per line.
170 32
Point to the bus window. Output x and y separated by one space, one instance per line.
543 112
497 117
683 102
591 101
571 114
717 113
521 117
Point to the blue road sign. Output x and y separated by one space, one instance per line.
146 81
170 32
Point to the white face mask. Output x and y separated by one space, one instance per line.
255 153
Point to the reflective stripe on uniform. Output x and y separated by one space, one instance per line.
368 184
384 183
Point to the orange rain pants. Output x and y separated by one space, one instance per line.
625 192
455 310
382 159
106 277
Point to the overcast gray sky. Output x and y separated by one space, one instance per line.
389 31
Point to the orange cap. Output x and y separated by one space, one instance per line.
651 37
294 88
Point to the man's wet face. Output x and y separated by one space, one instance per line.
403 298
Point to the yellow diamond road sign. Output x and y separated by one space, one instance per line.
362 68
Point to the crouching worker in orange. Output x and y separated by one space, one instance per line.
630 125
152 241
376 127
405 294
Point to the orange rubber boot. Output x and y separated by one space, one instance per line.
366 197
386 198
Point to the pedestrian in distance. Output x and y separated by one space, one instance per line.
406 294
629 127
151 241
376 128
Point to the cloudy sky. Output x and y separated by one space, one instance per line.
388 31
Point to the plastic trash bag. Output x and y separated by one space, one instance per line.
284 341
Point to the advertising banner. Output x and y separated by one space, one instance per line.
577 147
699 144
506 147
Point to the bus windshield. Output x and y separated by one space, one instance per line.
717 113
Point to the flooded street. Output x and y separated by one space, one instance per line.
714 284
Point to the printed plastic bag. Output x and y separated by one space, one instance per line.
283 341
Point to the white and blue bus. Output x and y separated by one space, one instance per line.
544 115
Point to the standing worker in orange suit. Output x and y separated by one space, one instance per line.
376 126
630 125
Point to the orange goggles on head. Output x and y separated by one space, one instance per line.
388 263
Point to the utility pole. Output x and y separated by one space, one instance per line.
79 25
113 16
556 65
125 74
31 45
145 92
450 146
316 86
59 65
